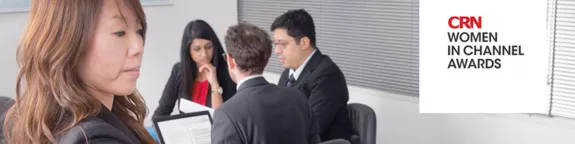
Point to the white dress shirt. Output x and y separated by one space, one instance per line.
246 79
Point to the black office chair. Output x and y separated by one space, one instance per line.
5 104
364 123
336 141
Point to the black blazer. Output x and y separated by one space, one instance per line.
263 113
173 91
324 85
105 128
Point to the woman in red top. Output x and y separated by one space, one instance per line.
201 75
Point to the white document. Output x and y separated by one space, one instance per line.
190 130
188 106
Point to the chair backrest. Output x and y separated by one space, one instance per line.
336 141
364 123
5 104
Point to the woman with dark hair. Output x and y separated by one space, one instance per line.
201 75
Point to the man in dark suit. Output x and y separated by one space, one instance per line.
312 73
259 112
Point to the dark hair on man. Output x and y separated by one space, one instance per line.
199 29
298 24
250 46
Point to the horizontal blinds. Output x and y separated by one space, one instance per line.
375 43
562 19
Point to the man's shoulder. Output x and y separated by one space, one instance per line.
273 89
326 63
326 67
255 92
286 90
253 95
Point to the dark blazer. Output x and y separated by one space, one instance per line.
324 85
173 91
263 113
105 128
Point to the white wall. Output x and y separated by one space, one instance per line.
11 25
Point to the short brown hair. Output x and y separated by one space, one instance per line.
250 46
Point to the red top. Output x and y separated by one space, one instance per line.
200 92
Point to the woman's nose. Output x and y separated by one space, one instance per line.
203 53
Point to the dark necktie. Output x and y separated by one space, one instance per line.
291 81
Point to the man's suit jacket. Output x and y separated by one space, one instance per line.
324 85
173 91
105 128
262 113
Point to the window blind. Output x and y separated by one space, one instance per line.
375 43
561 25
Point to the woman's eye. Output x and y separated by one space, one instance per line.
141 32
120 33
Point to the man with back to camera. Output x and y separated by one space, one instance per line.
259 112
312 73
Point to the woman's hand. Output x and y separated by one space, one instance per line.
211 75
210 72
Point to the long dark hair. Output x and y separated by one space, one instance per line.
199 29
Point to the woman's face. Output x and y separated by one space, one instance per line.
112 60
202 51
